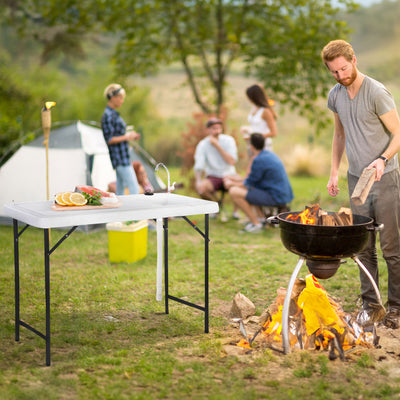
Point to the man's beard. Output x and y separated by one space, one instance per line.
350 80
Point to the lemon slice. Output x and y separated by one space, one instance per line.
58 199
77 199
65 198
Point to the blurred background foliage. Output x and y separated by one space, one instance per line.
68 52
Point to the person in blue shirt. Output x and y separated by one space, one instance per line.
266 185
117 136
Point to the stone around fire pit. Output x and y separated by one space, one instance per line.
242 307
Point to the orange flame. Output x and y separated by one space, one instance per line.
307 217
316 316
244 343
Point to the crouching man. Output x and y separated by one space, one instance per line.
266 185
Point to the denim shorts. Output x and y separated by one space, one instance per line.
259 197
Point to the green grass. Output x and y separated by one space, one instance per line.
112 340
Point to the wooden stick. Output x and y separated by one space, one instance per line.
363 186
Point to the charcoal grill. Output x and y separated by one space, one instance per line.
323 248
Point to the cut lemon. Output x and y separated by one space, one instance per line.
58 199
65 198
77 199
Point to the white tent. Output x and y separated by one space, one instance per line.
78 155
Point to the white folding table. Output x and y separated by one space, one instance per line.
159 206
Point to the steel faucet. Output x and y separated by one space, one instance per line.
169 188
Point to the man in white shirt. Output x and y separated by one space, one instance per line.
215 158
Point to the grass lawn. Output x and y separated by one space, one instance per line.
112 340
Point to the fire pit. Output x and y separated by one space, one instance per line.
322 247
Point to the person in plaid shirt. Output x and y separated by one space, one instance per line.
117 135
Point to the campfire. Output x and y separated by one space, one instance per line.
316 322
314 215
304 316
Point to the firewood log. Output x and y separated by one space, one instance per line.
363 186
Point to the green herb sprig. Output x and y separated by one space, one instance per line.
94 199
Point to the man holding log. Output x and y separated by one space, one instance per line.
367 126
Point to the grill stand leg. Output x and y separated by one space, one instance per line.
362 266
286 304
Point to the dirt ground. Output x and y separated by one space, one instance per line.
386 354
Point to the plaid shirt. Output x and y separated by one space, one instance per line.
113 125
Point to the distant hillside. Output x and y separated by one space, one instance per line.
162 105
376 39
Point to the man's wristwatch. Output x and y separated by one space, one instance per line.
384 159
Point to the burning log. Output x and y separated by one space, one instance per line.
314 215
316 321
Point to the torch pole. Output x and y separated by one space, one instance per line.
46 125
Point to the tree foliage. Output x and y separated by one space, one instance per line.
278 41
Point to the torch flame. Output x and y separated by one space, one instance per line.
49 104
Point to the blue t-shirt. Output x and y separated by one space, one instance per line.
112 125
268 173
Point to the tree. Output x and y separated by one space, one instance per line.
278 41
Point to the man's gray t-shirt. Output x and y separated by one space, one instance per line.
366 136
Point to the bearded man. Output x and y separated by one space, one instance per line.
367 126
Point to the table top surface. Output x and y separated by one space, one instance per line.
134 207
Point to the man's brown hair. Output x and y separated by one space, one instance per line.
335 49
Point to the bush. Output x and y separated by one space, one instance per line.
305 160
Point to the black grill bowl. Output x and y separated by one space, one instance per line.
323 243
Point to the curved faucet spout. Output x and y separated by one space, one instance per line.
169 187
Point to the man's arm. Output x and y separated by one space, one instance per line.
338 146
392 124
225 155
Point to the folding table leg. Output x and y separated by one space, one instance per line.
206 273
165 224
16 280
47 291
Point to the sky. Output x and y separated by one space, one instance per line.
367 2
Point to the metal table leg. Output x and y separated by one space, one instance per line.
16 279
47 291
165 226
47 253
206 273
205 235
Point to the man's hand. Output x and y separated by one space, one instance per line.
199 187
214 141
332 186
379 165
